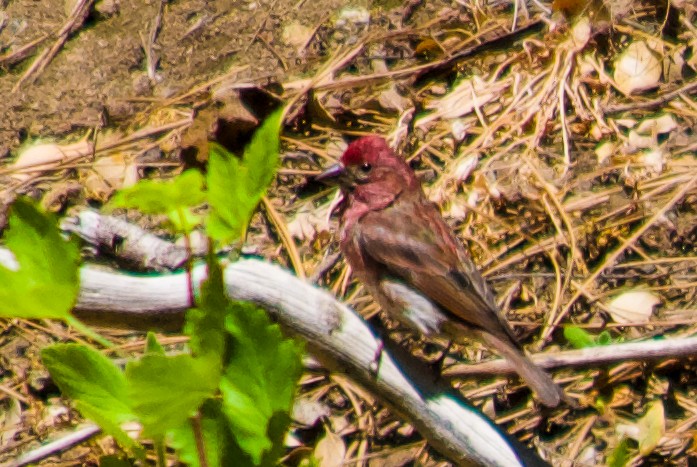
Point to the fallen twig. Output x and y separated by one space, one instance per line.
604 354
651 103
148 43
127 241
22 52
61 443
75 20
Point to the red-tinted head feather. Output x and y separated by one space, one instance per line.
368 149
381 170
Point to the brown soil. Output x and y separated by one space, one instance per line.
100 75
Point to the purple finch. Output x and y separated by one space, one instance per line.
404 253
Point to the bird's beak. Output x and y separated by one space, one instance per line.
332 174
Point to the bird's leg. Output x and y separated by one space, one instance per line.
438 363
375 364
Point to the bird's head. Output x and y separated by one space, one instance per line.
369 161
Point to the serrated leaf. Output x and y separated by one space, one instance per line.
220 447
46 283
166 391
170 197
259 382
235 186
94 383
226 195
152 347
578 337
261 156
205 324
184 220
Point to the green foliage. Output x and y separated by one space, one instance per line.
167 390
94 383
205 324
221 448
242 416
46 283
261 370
580 338
114 461
258 385
235 186
604 338
152 347
175 198
230 397
619 457
651 427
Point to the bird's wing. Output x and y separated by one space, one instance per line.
413 243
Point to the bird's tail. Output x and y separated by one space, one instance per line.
548 392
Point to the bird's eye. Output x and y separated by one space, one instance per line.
365 168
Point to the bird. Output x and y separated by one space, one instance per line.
406 256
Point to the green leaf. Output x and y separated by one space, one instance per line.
114 461
220 447
309 462
578 337
94 383
152 347
205 324
259 382
619 457
604 338
601 403
173 197
235 186
261 156
46 284
581 339
227 196
166 391
262 369
652 426
184 220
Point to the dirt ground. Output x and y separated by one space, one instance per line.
101 73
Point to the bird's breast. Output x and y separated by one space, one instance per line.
412 308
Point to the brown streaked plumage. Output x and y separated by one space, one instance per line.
401 249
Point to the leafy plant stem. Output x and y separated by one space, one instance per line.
161 458
198 437
189 256
88 332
